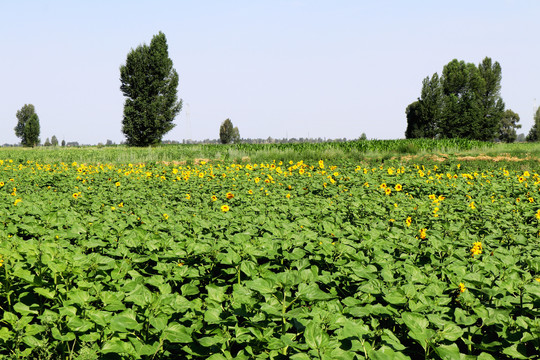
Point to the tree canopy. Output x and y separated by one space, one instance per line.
27 128
534 133
149 83
509 124
463 102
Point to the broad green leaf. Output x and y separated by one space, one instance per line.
248 268
516 351
396 297
77 324
5 334
189 289
386 353
33 342
216 293
485 356
125 321
79 297
101 318
24 309
209 341
451 332
463 318
177 333
140 296
213 315
90 337
299 356
314 335
58 336
45 292
264 286
159 322
312 292
448 352
117 346
10 317
392 340
143 349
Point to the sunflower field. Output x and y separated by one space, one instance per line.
276 260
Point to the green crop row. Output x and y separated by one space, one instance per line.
241 152
268 261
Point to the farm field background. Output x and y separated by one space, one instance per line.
348 253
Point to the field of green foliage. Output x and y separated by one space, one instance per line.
352 150
270 260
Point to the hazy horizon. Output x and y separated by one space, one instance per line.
277 69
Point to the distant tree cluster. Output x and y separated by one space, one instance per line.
52 142
464 102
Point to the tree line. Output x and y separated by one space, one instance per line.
465 102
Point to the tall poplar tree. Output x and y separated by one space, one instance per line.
149 83
491 103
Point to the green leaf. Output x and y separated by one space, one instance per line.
77 324
516 351
90 337
124 321
79 297
392 340
5 334
177 333
213 315
33 342
34 329
10 317
45 292
117 346
414 321
448 352
159 322
396 297
23 309
189 289
299 356
216 293
386 353
312 292
264 286
463 318
417 325
143 349
451 332
58 336
209 341
24 275
353 329
101 318
249 268
315 337
140 296
485 356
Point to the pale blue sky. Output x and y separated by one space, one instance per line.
277 68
